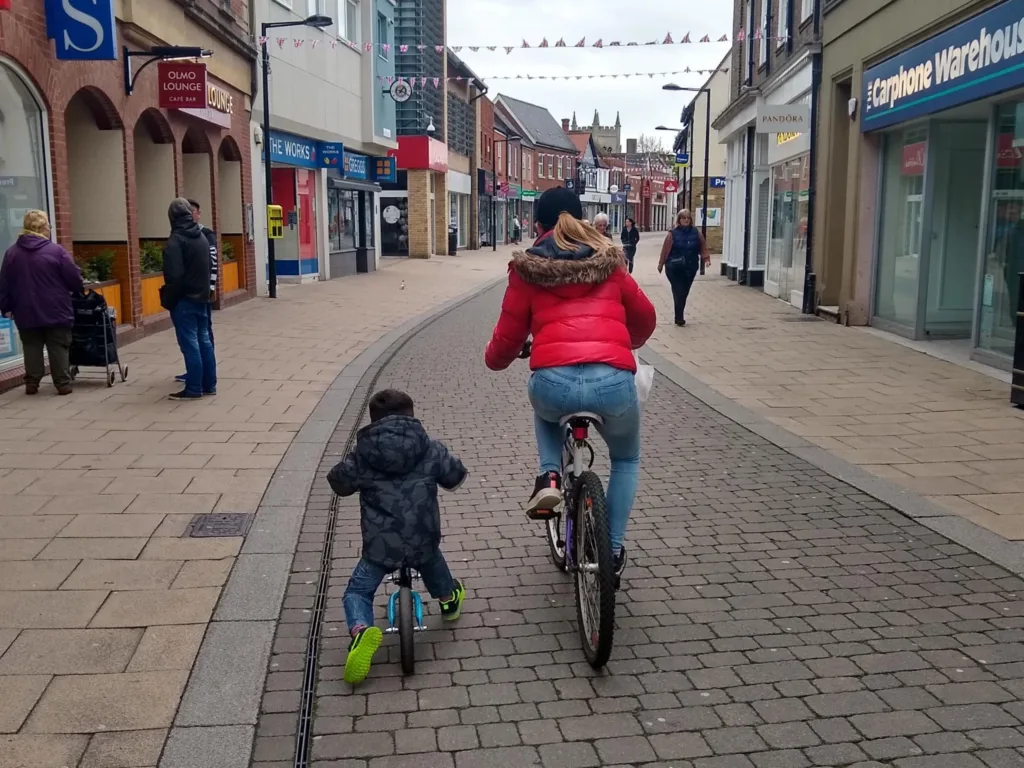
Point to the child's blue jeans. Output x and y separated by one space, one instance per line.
367 577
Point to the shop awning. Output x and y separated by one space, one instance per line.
361 186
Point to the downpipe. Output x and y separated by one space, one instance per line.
810 303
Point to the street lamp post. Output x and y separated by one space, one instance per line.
318 22
707 150
494 182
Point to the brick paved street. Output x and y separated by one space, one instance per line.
103 603
771 616
937 429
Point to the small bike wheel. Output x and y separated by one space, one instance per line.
595 571
124 373
110 379
555 526
406 629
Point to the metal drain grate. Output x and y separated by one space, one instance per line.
802 319
219 526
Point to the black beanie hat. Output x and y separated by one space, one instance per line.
554 202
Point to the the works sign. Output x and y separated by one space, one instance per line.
982 56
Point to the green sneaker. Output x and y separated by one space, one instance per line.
451 610
360 654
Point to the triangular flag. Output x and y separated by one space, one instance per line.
312 43
367 47
582 43
438 49
525 44
741 36
423 82
722 39
263 39
599 44
403 49
615 44
386 47
668 39
298 43
421 47
334 44
509 49
280 42
686 38
437 81
560 43
757 33
457 48
492 47
474 48
543 43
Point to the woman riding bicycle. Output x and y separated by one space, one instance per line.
571 290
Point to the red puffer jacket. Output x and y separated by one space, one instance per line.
581 307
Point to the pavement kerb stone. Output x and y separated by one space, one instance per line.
191 742
1008 554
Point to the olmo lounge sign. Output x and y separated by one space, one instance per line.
975 59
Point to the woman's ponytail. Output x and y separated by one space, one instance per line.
569 233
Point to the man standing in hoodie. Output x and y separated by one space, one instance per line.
211 237
186 295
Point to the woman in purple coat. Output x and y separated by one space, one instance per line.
37 278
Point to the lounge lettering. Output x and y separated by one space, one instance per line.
219 99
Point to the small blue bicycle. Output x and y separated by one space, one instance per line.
405 614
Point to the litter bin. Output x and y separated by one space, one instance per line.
453 240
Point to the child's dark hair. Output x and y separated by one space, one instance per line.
390 402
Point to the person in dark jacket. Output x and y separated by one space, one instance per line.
211 237
186 294
587 315
681 254
630 238
396 469
37 279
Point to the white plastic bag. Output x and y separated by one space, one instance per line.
644 380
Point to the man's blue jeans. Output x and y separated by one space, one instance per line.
367 577
611 394
192 327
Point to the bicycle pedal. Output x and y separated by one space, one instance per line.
390 630
542 514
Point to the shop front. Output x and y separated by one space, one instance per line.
353 199
104 164
511 194
460 190
296 182
527 202
486 197
789 160
946 118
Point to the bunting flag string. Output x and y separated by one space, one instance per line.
600 43
421 82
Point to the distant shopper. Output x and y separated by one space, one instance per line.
211 236
630 237
517 230
681 254
186 295
37 278
601 225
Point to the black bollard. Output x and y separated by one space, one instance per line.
1017 383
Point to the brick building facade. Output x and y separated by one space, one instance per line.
105 164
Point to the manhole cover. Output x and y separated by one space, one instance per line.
219 526
802 319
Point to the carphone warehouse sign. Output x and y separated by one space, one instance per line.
980 57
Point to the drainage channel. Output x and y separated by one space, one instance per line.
366 386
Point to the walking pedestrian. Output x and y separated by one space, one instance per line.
681 254
630 237
601 225
37 278
186 295
211 237
517 230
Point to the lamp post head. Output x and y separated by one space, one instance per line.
671 87
318 20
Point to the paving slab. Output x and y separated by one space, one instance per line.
70 651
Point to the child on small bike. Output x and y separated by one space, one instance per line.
396 469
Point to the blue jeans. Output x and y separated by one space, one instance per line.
681 274
610 393
367 577
192 327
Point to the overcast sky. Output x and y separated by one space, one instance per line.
640 101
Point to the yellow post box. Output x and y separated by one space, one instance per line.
275 222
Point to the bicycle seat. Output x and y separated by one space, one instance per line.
580 418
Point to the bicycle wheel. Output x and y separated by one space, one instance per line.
406 630
595 573
556 539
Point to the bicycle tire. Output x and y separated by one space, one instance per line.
589 488
406 630
555 530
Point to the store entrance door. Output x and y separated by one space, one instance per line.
955 223
306 195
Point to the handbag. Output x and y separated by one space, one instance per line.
644 380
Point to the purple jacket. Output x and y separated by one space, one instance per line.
37 279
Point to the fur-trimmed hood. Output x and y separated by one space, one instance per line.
547 266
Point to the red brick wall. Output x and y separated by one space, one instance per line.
23 39
544 183
486 133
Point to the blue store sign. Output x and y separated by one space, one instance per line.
980 57
331 153
618 198
717 182
385 169
294 150
82 29
355 167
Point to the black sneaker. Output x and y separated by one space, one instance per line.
547 495
619 565
184 395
